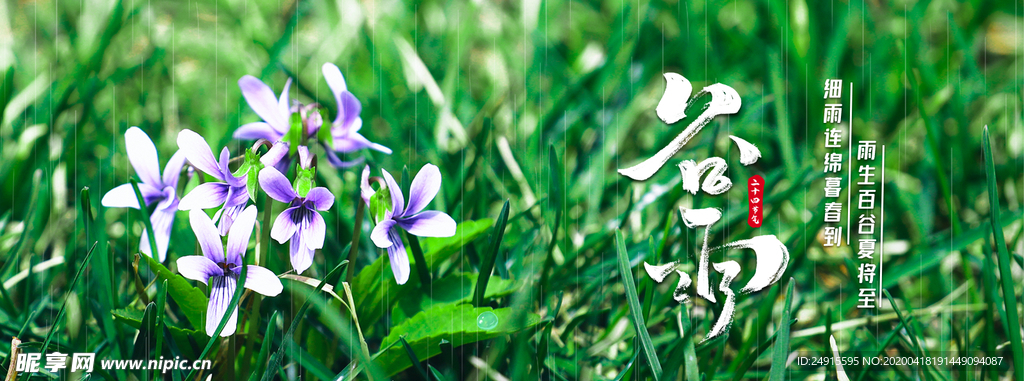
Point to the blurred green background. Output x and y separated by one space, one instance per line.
539 102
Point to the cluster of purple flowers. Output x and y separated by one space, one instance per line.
290 130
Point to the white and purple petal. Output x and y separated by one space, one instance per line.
284 227
204 196
198 152
276 185
206 235
172 171
429 224
301 255
263 281
397 199
365 191
226 217
381 234
257 130
261 99
313 230
222 289
238 237
162 220
225 170
283 108
123 196
198 267
305 159
336 81
142 156
276 157
399 258
353 141
423 188
321 198
348 112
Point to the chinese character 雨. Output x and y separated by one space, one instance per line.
833 113
833 88
771 256
866 150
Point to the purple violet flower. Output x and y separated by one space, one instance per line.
346 124
301 223
410 218
220 268
230 193
154 188
275 112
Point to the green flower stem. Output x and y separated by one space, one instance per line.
357 230
254 319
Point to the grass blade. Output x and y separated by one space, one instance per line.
268 338
918 350
488 260
437 375
689 353
413 359
781 350
635 309
161 303
64 306
275 361
145 219
1009 298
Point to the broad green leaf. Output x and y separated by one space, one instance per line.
453 289
191 301
456 324
133 318
375 289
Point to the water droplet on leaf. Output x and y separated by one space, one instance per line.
487 320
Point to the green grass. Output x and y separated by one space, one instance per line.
528 109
